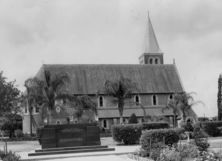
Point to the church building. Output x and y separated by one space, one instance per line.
156 82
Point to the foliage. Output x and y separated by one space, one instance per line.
187 126
130 133
200 139
133 119
13 122
84 103
212 128
9 96
18 133
167 136
182 152
208 156
44 93
120 90
155 125
156 150
10 156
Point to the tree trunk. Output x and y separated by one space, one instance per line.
30 122
174 121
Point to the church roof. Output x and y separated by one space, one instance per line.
151 44
90 79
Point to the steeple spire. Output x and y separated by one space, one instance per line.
151 44
152 54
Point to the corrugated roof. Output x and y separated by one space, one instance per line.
90 79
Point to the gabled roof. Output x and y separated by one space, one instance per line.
90 79
151 44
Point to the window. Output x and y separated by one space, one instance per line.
154 100
156 61
100 101
171 97
37 109
137 100
104 124
151 61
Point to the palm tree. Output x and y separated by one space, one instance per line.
182 104
51 90
31 98
120 90
84 103
173 104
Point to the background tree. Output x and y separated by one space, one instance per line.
120 90
174 106
133 119
80 104
9 95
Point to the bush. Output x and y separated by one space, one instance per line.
10 156
18 133
130 133
167 136
155 125
133 119
200 139
182 152
212 128
127 134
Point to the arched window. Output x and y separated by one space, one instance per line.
154 100
171 97
101 101
137 100
156 61
151 60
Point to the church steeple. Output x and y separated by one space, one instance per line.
152 53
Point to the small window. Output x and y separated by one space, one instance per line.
37 109
151 61
100 101
156 61
137 100
104 124
154 100
171 97
58 122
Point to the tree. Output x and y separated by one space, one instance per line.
9 95
84 103
182 104
133 119
32 98
174 105
120 90
48 90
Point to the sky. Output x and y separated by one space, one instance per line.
33 33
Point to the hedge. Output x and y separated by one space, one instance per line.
130 133
212 128
166 136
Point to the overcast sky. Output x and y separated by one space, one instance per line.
33 33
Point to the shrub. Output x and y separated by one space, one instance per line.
167 136
155 125
212 128
10 156
156 150
133 119
200 139
182 152
18 133
128 134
